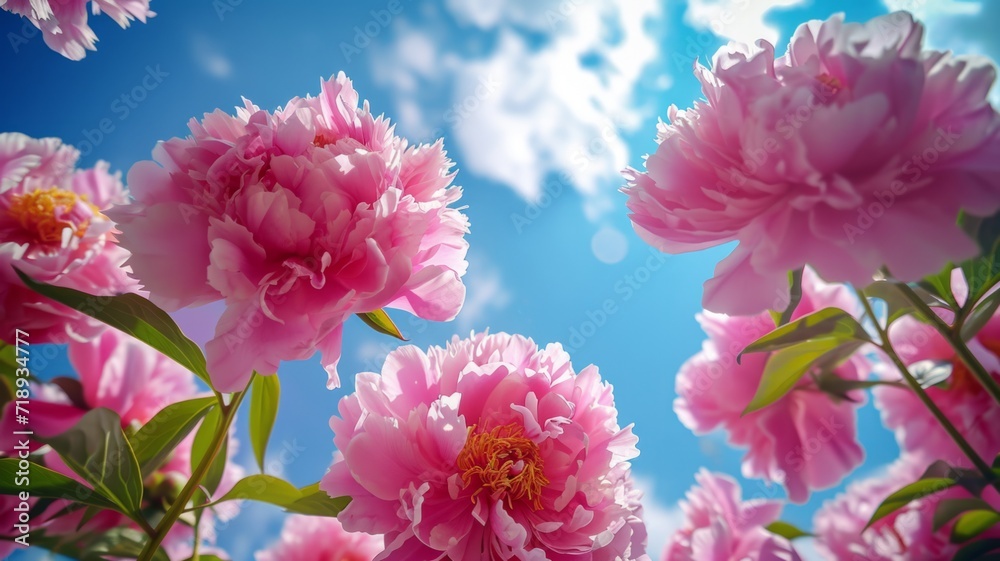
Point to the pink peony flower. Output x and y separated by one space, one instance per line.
961 397
902 536
490 448
122 374
317 538
807 440
720 526
51 227
298 219
846 153
64 22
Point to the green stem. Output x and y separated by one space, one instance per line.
954 337
144 524
177 508
886 347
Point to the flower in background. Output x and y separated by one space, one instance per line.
720 526
64 22
53 229
297 219
960 397
490 448
319 538
126 376
846 154
905 534
806 440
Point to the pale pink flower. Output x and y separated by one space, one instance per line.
64 22
130 378
319 538
490 448
960 397
52 228
905 535
845 154
807 440
298 219
720 526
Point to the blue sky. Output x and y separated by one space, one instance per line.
541 103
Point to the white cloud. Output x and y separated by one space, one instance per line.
210 58
520 107
486 293
662 520
736 20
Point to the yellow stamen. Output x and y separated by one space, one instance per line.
40 211
831 83
504 462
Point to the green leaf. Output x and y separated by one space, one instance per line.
261 488
316 502
786 367
97 450
939 285
948 509
42 482
983 272
199 448
794 297
206 557
119 542
272 490
133 315
156 440
830 383
266 394
896 302
977 550
381 322
828 323
981 314
917 490
786 530
973 523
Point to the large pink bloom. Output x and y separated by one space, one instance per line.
807 440
122 374
298 219
904 535
845 154
490 448
720 526
64 22
961 397
318 538
51 227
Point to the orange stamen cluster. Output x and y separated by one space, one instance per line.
38 213
504 463
831 83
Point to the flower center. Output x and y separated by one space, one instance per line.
45 213
831 84
504 463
